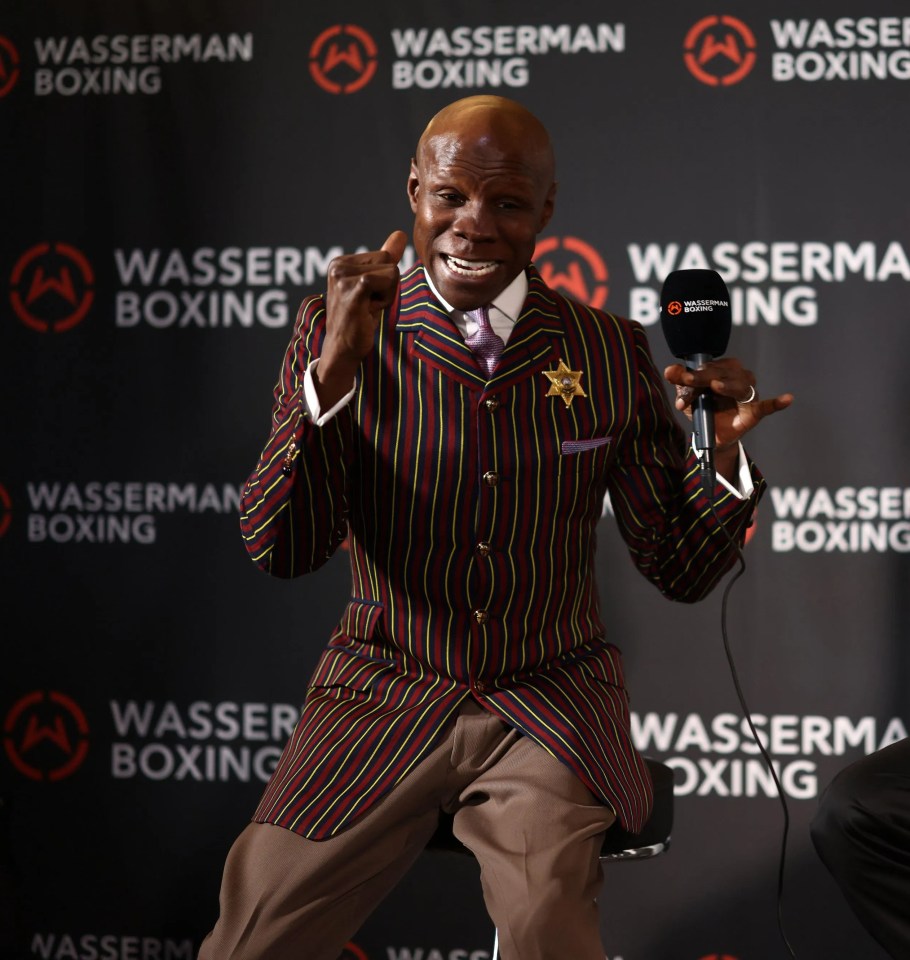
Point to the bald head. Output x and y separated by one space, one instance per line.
494 119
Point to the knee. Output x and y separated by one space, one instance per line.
847 814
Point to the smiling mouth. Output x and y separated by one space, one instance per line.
469 268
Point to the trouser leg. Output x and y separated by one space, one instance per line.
284 897
537 832
862 834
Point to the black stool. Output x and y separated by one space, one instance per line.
654 838
618 844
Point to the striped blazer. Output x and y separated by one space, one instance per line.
472 508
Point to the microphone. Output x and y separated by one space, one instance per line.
695 317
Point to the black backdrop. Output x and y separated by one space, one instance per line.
176 177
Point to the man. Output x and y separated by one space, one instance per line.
861 831
462 424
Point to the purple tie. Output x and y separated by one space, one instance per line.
487 346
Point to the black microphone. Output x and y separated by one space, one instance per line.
695 316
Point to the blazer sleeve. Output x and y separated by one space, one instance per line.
294 506
672 534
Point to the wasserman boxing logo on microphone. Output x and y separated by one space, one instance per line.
703 306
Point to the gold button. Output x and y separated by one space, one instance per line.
492 404
483 548
491 478
481 616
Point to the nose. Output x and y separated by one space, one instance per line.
475 222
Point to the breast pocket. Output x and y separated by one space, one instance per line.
569 447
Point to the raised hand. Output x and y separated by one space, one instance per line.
360 287
737 405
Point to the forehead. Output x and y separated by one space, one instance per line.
482 156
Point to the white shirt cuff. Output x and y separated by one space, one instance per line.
311 398
745 486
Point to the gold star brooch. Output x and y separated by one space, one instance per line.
564 383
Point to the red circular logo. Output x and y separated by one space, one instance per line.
6 508
46 736
674 308
719 51
352 952
51 287
343 58
9 66
573 267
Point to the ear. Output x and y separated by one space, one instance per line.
548 206
413 186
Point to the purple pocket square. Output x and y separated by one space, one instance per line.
579 446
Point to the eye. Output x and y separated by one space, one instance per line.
511 204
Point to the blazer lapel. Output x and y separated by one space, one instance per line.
434 337
436 340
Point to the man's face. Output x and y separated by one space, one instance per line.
479 199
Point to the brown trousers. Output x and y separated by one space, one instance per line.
535 829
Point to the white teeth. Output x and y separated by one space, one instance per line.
470 268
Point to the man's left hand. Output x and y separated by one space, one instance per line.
737 404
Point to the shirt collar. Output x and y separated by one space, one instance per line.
509 302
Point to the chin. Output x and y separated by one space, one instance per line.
468 299
467 295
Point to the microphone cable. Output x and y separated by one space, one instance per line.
748 716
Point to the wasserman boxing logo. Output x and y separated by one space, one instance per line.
352 951
574 267
225 287
6 511
698 306
842 520
717 756
202 741
52 287
129 64
113 511
343 58
491 56
719 51
9 65
845 49
46 735
770 283
109 946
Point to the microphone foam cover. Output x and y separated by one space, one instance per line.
695 313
